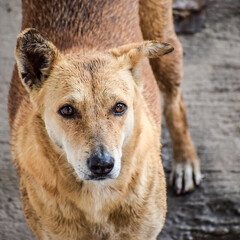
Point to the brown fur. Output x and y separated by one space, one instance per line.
82 62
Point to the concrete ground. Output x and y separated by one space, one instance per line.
211 89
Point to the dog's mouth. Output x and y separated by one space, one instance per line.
99 178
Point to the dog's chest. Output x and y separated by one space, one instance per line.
114 227
94 223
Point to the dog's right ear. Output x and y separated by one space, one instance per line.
35 57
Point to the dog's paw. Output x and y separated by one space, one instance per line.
185 176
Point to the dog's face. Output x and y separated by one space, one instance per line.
86 102
88 113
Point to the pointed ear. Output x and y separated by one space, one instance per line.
133 53
35 57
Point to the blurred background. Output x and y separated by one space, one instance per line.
209 31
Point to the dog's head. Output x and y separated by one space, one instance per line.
85 101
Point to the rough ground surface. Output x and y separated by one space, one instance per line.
211 90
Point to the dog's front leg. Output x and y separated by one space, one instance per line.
157 23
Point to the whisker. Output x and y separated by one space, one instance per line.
61 155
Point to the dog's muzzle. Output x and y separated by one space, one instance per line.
100 164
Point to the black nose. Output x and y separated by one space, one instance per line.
100 163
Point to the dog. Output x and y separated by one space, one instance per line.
85 118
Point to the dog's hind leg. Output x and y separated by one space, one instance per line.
156 23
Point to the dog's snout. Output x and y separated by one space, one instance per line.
100 163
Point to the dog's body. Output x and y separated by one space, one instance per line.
82 100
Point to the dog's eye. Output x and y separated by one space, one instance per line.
119 109
67 111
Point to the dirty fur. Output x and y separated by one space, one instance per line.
87 55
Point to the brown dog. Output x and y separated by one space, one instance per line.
85 118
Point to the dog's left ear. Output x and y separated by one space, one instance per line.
131 54
35 57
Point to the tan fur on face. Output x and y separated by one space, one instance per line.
92 91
